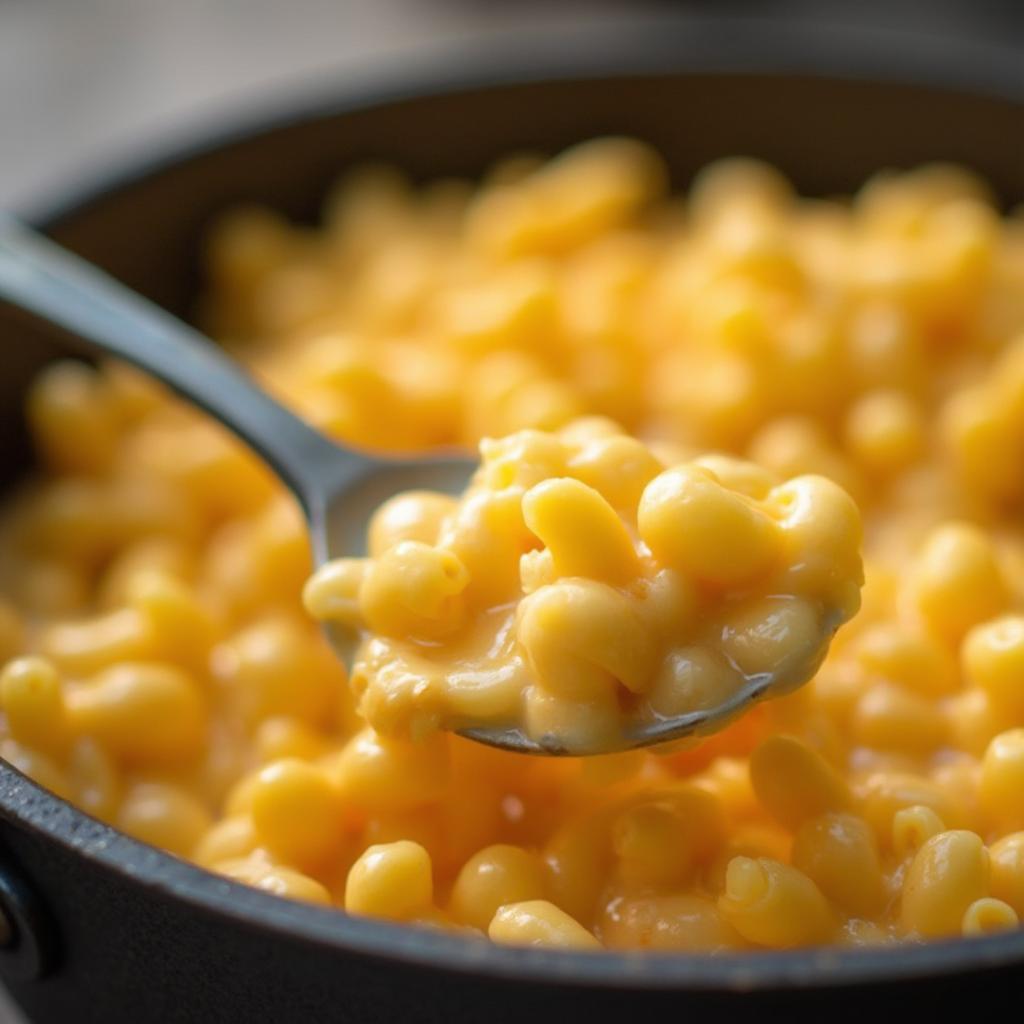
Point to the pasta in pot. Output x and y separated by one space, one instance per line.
160 670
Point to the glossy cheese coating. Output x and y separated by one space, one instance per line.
616 619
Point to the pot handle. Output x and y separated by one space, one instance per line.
28 936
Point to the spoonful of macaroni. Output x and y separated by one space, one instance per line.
576 594
584 596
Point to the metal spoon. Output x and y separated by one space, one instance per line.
337 488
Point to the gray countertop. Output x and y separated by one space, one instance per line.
84 82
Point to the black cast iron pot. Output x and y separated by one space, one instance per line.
108 929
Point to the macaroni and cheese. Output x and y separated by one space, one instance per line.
581 590
162 673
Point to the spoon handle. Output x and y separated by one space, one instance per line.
42 277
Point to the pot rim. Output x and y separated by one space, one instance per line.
663 46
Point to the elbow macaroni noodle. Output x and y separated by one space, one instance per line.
161 673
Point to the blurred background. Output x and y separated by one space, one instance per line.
86 82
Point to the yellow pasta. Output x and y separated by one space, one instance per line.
296 813
164 815
494 877
839 853
1002 779
987 915
391 880
538 923
703 421
667 924
947 875
587 630
794 782
774 905
1007 861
